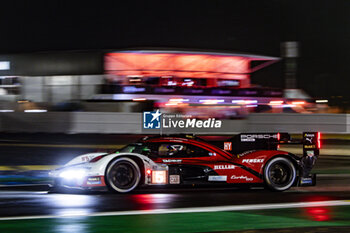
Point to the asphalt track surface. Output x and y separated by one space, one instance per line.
324 208
32 201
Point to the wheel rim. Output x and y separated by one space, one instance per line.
280 174
123 175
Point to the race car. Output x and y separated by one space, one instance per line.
249 158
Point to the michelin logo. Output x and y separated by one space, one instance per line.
151 120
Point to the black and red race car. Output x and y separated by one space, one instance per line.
248 158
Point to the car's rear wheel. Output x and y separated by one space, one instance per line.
123 175
279 174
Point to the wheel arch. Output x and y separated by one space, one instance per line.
139 161
293 158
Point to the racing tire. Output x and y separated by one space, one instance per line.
123 175
279 174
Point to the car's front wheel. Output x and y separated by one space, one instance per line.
123 175
279 174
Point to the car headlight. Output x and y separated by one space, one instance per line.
70 174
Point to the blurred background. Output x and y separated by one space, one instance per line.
272 57
75 77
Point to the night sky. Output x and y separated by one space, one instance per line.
321 27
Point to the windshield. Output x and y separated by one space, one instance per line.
138 148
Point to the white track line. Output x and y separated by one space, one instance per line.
191 210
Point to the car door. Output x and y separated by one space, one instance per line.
187 160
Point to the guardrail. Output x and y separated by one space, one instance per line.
131 123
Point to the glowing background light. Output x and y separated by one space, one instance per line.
139 99
178 100
4 65
321 101
182 64
276 102
6 110
244 102
171 104
238 101
35 110
210 101
298 102
288 105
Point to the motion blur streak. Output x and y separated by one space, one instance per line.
318 213
149 201
70 225
71 200
73 212
193 210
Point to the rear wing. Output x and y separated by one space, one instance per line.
311 142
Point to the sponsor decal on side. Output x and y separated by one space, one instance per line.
93 180
174 179
306 180
172 160
252 137
228 146
233 177
310 153
309 140
223 167
217 178
245 153
85 158
252 160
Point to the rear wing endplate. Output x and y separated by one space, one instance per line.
311 142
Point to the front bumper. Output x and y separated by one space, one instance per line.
97 184
68 177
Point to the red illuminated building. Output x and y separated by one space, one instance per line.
184 68
189 80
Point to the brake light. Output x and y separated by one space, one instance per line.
318 140
148 171
278 136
